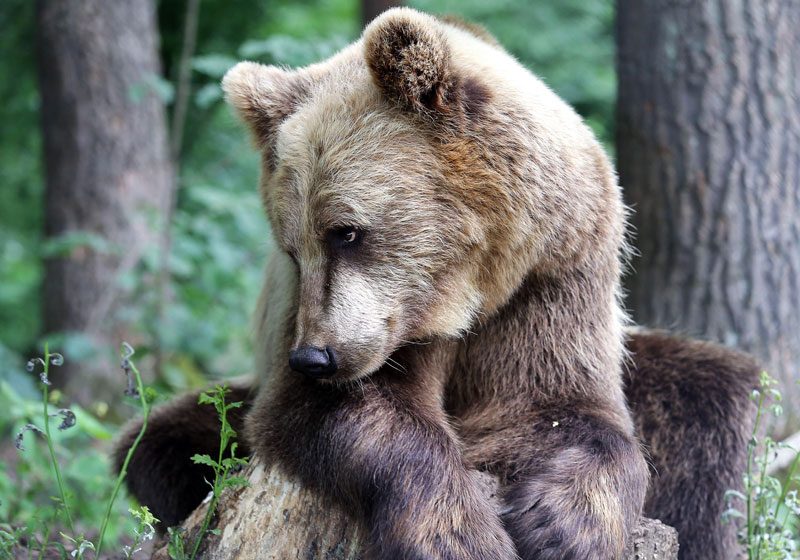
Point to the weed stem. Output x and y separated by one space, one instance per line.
54 461
124 470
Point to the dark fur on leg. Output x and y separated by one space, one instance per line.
161 474
691 404
384 450
580 500
573 482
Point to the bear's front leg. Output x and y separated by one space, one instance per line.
383 449
582 492
574 482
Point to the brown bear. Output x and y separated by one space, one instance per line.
446 300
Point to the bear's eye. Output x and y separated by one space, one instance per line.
344 237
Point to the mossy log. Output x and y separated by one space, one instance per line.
275 518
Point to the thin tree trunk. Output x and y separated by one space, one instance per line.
107 164
274 518
370 9
182 95
708 147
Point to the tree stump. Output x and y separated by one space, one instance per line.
275 518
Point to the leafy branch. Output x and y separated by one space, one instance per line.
222 466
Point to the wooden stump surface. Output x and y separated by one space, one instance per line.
275 518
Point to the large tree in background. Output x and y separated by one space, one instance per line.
708 149
108 173
370 9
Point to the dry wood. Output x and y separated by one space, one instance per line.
275 518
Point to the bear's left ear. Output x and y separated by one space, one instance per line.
264 96
409 59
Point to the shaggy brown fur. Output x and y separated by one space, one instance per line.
691 404
451 238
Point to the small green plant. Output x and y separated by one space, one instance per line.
41 524
144 530
768 508
222 466
68 421
146 396
176 548
9 537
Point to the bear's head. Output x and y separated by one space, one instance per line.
415 179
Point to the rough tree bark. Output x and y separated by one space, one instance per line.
276 519
708 148
107 163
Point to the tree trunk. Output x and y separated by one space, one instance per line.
370 9
108 173
708 148
276 519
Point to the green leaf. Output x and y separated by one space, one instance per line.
205 460
207 95
227 432
176 548
233 462
150 395
67 243
213 65
234 481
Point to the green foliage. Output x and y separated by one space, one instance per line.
176 547
21 207
46 362
769 508
144 530
58 492
135 389
222 466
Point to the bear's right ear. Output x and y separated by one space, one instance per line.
263 96
409 59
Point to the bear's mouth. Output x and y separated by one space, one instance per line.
357 361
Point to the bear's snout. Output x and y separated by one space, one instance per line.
318 363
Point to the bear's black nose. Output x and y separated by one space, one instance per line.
313 362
